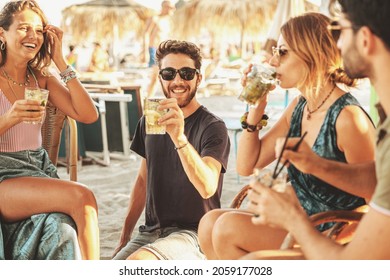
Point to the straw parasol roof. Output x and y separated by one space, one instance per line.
224 18
284 11
104 20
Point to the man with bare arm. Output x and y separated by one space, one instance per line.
365 46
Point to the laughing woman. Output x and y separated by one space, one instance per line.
29 184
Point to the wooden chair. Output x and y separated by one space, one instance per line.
345 222
51 138
239 197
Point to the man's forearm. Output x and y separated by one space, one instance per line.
314 244
358 178
202 173
137 202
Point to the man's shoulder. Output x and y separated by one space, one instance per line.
209 117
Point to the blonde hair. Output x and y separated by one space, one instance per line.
308 36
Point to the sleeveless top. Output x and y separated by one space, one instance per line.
22 136
314 194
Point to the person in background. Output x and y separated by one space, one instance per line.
337 128
365 47
72 56
181 173
158 29
99 59
31 193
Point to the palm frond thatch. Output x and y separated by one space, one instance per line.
224 17
99 19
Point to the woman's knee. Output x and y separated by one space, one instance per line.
84 199
227 226
207 222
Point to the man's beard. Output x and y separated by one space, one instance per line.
355 66
182 103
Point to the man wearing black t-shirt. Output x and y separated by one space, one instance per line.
181 173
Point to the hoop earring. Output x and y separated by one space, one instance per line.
2 45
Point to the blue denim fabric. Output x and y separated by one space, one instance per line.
45 236
34 163
40 237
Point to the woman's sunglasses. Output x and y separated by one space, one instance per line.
186 73
279 52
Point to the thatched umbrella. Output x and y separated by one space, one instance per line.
104 20
284 11
98 18
225 18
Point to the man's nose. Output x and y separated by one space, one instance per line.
178 79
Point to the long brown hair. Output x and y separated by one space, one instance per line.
43 58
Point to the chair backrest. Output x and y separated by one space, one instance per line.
51 131
342 231
51 138
239 197
342 219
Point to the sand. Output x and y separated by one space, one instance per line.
112 184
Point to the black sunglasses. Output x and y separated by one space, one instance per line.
186 73
335 28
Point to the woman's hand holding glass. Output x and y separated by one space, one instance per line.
258 83
29 111
256 110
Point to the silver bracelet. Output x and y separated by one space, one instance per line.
68 74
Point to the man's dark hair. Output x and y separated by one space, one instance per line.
176 47
375 14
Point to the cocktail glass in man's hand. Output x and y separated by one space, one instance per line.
152 116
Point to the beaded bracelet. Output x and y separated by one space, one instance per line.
252 128
68 74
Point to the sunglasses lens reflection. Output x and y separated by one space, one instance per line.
186 73
168 74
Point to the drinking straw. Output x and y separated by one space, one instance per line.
295 148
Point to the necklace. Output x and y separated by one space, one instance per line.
309 113
26 83
16 83
10 86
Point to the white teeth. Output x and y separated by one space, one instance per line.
29 45
179 90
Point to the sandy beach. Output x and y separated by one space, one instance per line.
112 184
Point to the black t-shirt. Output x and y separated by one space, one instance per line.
171 199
